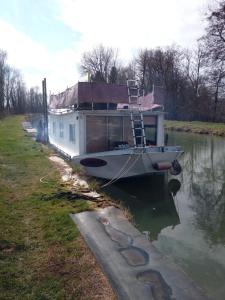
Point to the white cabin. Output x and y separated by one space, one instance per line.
81 132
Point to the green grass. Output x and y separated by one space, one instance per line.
196 127
40 246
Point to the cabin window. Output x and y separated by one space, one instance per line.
96 134
107 133
115 132
127 131
61 129
72 133
150 123
53 128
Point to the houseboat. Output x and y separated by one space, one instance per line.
111 131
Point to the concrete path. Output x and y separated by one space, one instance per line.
134 267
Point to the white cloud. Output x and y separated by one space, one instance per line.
123 24
129 24
35 61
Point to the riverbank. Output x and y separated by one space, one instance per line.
42 253
196 127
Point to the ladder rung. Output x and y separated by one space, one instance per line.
137 124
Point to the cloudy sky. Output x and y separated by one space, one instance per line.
46 38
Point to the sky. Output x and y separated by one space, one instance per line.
46 38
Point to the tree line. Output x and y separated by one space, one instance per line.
14 95
193 81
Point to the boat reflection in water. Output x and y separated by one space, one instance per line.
150 200
186 218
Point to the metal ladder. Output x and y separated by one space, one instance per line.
136 117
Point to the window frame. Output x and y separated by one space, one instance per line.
72 133
155 126
61 130
54 128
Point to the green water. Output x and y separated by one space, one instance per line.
185 215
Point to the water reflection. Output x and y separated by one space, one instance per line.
174 186
197 243
186 215
150 199
204 184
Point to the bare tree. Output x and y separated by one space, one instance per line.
7 89
113 76
98 63
194 62
215 32
214 44
162 67
3 57
216 82
34 101
10 77
143 68
17 92
126 72
14 96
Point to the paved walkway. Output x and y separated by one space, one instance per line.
134 267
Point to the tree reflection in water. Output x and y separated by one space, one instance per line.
186 216
206 180
197 244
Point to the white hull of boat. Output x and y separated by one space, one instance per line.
126 163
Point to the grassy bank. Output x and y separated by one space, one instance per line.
196 127
42 255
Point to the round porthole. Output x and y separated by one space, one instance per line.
93 162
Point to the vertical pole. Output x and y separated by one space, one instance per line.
45 109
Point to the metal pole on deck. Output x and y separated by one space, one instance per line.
45 110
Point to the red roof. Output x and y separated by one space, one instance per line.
87 92
98 92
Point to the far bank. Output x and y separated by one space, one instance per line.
196 127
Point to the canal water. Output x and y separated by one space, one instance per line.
184 216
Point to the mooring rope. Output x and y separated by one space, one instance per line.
123 171
131 166
118 173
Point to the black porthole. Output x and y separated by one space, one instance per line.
93 162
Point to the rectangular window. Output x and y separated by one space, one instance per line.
61 129
108 133
127 131
115 132
53 128
96 134
72 133
150 123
